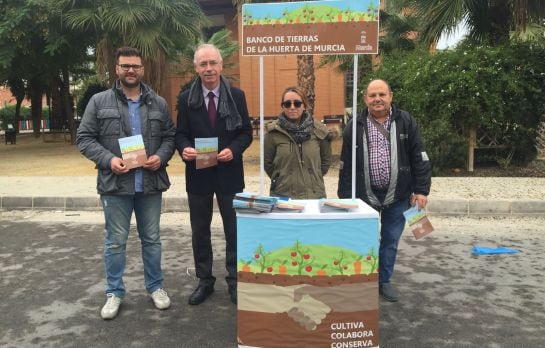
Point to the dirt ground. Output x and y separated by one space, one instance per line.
32 156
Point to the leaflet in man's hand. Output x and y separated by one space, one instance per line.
207 152
421 228
133 151
413 214
419 222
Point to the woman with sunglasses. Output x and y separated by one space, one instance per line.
297 150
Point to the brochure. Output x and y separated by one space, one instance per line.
418 221
413 214
133 151
337 205
207 152
421 228
288 207
249 203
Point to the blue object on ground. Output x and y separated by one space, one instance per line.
477 250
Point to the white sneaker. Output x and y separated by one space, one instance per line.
160 299
110 309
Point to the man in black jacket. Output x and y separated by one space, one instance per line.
392 170
214 110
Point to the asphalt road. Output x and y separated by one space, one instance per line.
52 287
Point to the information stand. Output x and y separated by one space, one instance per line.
308 279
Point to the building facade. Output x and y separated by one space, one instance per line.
279 72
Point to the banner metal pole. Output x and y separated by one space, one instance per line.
354 119
261 125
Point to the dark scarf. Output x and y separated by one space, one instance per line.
227 109
299 132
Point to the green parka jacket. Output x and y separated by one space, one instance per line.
297 171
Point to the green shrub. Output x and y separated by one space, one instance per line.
498 90
7 114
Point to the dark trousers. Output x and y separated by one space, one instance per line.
200 213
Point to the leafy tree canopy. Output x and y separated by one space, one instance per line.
495 89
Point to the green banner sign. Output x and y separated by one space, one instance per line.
311 27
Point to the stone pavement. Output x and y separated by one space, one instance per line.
52 286
461 196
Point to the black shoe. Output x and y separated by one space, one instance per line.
200 294
388 292
233 294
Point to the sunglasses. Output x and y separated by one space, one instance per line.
288 103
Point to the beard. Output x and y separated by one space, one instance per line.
133 83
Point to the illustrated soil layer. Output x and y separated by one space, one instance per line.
297 311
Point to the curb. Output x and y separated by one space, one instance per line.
448 207
480 207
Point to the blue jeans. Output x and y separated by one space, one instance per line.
117 213
392 223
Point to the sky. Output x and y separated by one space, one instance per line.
449 41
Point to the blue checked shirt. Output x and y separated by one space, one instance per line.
136 129
379 154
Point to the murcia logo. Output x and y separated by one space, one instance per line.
363 37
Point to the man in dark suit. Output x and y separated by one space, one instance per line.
213 109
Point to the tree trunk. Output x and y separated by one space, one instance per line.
306 79
36 93
540 140
68 104
56 119
17 115
17 88
157 72
105 61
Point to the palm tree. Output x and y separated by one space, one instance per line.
398 32
400 27
540 140
184 65
490 21
306 79
158 28
222 39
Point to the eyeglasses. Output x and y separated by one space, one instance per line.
127 67
288 103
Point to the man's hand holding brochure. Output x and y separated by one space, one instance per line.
418 220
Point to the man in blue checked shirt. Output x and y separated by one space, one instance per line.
129 108
392 171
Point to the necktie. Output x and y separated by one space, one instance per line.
211 109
